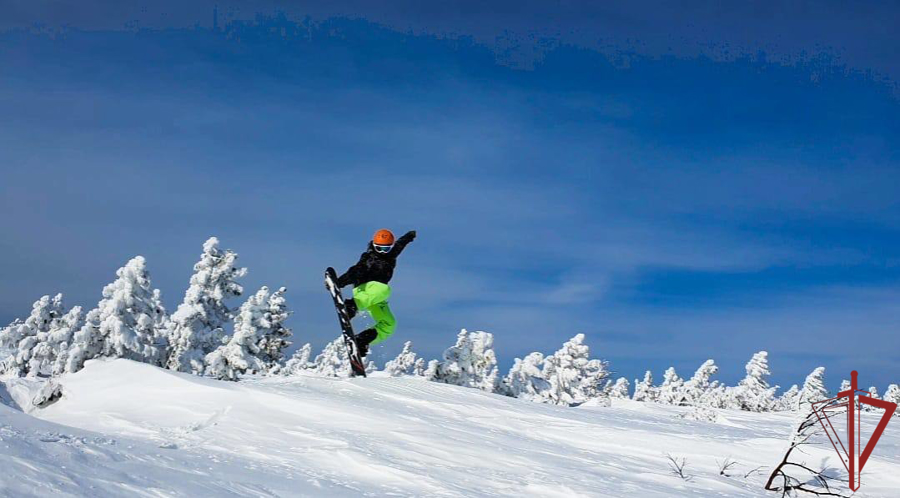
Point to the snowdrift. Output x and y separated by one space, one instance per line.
129 429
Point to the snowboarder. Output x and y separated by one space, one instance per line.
370 277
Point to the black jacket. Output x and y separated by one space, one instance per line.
375 266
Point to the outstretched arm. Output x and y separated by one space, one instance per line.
402 241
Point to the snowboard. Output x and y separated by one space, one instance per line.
356 364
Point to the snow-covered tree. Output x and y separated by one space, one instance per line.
274 336
404 363
526 380
695 389
197 326
333 361
813 389
644 389
431 370
24 340
753 392
788 401
892 395
593 385
716 396
259 336
419 367
299 361
50 355
620 389
670 389
845 385
471 362
8 345
137 331
129 322
574 378
873 393
699 413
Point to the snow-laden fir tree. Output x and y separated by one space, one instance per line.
23 340
594 383
526 380
696 388
50 355
700 413
274 338
574 378
20 337
9 338
644 389
7 355
620 389
419 367
471 362
813 390
404 363
299 361
129 322
259 336
892 395
716 396
788 401
431 370
197 326
845 385
332 361
873 393
670 389
753 392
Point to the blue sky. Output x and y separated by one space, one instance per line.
676 185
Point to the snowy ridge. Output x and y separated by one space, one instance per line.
125 428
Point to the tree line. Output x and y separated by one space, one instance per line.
204 336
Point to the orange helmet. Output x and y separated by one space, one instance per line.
383 237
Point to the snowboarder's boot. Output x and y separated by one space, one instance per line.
350 306
363 339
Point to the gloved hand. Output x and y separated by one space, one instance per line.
410 235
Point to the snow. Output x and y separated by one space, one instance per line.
124 428
753 392
471 362
258 340
128 322
197 326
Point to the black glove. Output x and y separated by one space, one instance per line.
410 235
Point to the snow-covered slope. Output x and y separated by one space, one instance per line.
129 429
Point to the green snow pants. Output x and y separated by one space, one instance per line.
372 297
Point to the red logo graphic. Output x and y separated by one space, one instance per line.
853 455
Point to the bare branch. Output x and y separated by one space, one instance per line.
756 471
816 482
677 467
725 466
